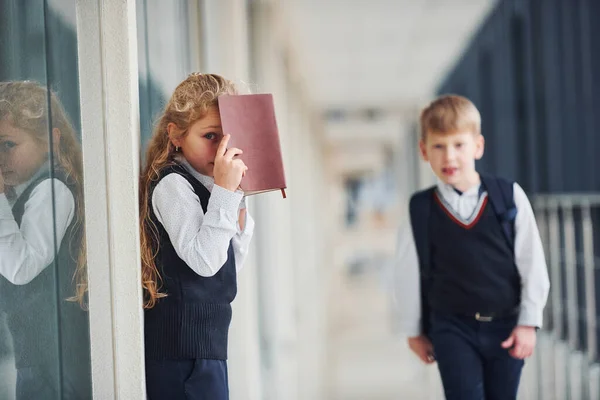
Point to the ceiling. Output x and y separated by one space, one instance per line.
386 54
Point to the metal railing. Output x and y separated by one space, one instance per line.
567 364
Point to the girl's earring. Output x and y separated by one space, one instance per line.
177 149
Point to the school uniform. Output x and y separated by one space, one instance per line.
50 335
481 287
201 248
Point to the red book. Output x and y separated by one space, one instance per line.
250 120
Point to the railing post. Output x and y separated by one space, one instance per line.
594 382
590 281
571 275
554 263
561 352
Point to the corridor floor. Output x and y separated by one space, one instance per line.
369 361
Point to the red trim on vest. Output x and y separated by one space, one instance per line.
456 220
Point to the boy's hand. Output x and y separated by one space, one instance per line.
422 347
228 170
521 342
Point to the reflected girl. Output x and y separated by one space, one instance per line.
42 247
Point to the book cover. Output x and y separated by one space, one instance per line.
250 120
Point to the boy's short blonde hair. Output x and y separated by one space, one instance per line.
448 114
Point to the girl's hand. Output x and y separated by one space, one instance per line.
242 218
521 342
228 170
422 347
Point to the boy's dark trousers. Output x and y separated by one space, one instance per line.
472 363
198 379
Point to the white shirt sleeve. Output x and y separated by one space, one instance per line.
530 261
407 284
241 240
27 250
200 240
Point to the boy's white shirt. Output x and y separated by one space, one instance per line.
529 259
199 239
27 250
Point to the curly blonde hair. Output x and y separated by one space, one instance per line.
190 102
33 108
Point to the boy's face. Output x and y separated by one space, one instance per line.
199 146
21 154
452 156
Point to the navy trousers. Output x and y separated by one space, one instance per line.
198 379
472 363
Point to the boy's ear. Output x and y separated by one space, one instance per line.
423 150
479 147
171 131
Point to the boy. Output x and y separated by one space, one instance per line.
473 272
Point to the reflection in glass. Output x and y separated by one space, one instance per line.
42 249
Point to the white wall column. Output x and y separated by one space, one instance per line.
107 52
225 33
309 233
274 225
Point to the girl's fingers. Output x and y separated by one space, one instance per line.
240 165
223 146
232 152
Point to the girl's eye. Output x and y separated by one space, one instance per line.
214 136
437 146
459 145
8 145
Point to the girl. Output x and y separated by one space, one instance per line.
195 234
41 244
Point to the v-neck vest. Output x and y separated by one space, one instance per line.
472 265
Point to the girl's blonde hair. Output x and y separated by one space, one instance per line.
29 106
189 103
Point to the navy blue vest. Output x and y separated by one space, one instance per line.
473 269
193 320
464 271
48 331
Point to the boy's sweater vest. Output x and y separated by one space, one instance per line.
473 269
193 320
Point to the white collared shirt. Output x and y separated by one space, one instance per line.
202 240
26 250
529 259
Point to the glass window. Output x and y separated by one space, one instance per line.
161 65
44 327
